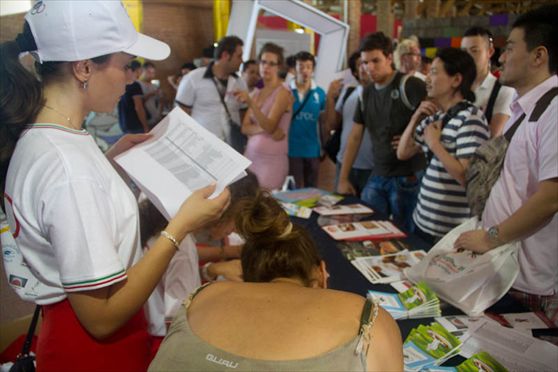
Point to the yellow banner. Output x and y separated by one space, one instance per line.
135 11
221 14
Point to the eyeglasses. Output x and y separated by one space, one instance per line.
268 63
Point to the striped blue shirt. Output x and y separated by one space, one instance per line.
442 201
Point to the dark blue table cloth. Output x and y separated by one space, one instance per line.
344 276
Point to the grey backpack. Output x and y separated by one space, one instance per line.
486 164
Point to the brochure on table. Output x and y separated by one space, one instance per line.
306 197
388 268
481 362
181 157
515 350
367 248
418 301
295 210
429 346
364 230
342 209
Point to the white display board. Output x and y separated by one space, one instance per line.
291 42
333 33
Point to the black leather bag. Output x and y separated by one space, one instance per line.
333 143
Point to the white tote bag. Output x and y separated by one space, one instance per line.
468 281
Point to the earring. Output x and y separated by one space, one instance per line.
85 84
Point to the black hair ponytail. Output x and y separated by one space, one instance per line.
457 61
21 96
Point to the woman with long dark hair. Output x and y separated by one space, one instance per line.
74 219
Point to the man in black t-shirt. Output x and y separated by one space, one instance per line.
384 109
131 110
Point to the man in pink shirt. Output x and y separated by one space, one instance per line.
523 204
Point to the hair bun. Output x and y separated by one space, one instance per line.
262 218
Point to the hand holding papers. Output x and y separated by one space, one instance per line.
180 158
417 302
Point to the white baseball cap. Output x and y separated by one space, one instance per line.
68 31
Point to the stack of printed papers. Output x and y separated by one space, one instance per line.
429 346
181 157
481 362
365 230
387 268
295 210
307 197
418 301
515 350
367 248
342 209
329 200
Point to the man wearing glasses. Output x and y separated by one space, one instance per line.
408 58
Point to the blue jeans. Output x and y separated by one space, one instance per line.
393 196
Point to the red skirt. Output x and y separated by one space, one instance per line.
64 345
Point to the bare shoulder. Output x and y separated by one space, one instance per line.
342 299
284 93
386 349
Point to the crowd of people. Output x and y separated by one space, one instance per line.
114 273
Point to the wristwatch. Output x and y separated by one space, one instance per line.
494 233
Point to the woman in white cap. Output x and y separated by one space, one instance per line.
74 219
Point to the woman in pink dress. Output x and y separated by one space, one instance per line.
267 121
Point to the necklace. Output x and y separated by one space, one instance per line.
68 119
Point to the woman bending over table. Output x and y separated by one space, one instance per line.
282 317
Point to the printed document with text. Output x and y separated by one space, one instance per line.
181 157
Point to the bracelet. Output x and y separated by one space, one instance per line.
171 238
205 274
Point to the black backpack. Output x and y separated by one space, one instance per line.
333 144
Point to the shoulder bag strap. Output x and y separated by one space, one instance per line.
29 338
348 93
403 93
492 100
539 109
510 132
543 103
303 104
222 96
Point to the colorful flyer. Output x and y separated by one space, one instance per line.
481 362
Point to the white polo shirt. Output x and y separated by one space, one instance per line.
503 100
72 216
198 91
